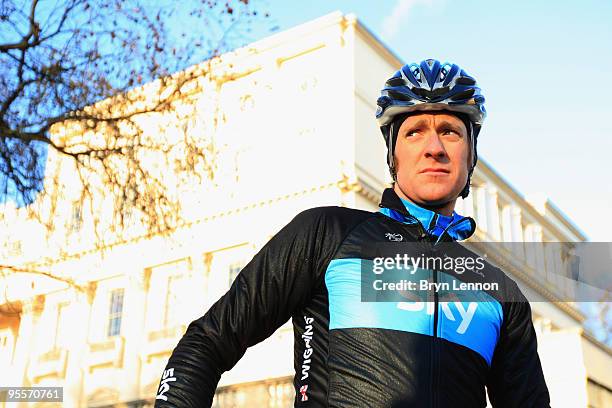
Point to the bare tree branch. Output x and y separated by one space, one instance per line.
34 32
107 89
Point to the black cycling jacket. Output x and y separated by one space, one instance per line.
349 353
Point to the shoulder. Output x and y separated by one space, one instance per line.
337 211
333 215
330 223
320 231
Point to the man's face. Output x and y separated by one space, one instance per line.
431 156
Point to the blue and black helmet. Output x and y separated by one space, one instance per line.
430 86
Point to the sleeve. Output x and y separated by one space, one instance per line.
516 378
276 282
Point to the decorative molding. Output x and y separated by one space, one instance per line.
146 279
103 397
222 214
485 171
507 266
281 60
166 332
364 189
106 353
161 342
50 363
91 291
208 258
603 346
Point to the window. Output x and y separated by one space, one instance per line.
60 325
169 295
76 218
116 309
173 300
234 270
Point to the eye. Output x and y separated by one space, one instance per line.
451 131
412 133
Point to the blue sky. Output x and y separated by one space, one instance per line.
545 68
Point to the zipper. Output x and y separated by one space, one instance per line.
434 356
452 225
434 352
433 222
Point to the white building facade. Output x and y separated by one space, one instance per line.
297 131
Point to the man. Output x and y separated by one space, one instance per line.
351 353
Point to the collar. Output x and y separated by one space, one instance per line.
437 225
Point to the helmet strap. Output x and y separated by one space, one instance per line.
390 152
466 190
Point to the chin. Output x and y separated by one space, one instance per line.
435 195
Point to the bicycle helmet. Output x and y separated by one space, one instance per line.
430 86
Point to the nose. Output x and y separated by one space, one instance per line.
434 147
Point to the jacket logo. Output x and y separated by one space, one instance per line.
303 390
167 377
481 273
307 336
394 237
308 350
465 315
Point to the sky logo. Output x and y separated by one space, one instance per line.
464 314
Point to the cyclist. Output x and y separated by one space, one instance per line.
350 353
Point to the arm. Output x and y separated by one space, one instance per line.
275 283
516 378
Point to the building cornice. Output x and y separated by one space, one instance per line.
373 41
341 184
489 173
602 346
507 266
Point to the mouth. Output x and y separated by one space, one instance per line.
434 171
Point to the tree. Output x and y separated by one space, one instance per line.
78 67
81 82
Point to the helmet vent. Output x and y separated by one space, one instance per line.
465 81
398 96
416 71
444 71
431 95
463 95
396 82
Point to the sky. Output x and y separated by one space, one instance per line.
545 69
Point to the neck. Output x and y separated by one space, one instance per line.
446 208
